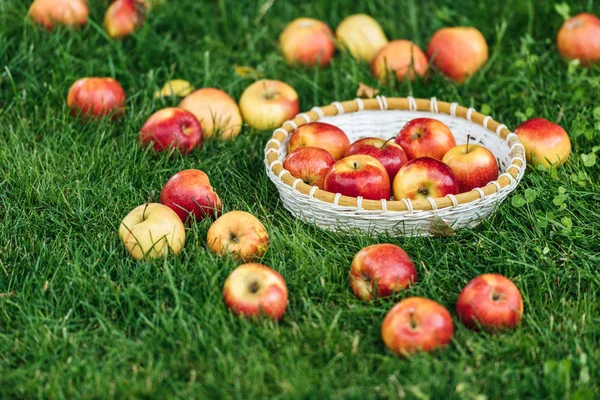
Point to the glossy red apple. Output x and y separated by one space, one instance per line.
545 142
96 98
579 39
391 155
425 137
254 290
172 127
311 164
191 196
491 302
319 134
359 175
417 324
422 178
474 166
380 270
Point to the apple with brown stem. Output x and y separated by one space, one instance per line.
425 137
239 234
359 175
320 134
266 104
389 154
474 165
422 178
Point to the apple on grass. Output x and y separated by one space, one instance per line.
422 178
358 175
254 290
172 127
458 52
545 143
307 42
152 230
491 302
191 196
362 36
579 39
417 324
50 13
123 17
238 233
474 165
311 164
96 98
319 134
388 153
400 57
425 137
380 270
266 104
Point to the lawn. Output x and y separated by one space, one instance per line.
80 319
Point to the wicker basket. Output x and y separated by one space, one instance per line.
384 117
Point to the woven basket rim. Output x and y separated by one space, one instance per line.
381 103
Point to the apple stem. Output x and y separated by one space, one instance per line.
254 286
413 322
387 141
150 197
468 139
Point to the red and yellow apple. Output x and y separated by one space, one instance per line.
152 230
266 104
545 143
308 42
417 324
359 175
172 128
474 166
422 178
425 137
238 233
254 290
191 196
579 39
319 134
381 270
458 52
362 36
50 13
402 57
311 164
96 98
388 153
216 111
491 302
123 17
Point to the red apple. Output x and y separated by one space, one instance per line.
308 42
417 324
545 143
402 57
387 152
238 233
474 166
311 164
266 104
123 17
422 178
172 127
579 38
50 13
96 97
319 134
458 52
425 137
190 194
381 270
491 302
253 290
359 175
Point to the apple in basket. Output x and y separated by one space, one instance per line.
417 324
402 57
254 290
391 155
579 39
545 143
319 134
359 175
171 127
96 98
311 164
266 104
307 42
424 177
425 137
458 52
50 13
239 234
191 196
380 270
490 302
474 165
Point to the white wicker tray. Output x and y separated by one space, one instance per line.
384 117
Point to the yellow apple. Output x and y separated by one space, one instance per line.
266 104
362 36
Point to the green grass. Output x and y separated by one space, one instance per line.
80 319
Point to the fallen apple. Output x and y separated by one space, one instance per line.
545 143
96 98
400 57
49 13
308 42
266 104
123 17
238 233
362 36
172 128
579 39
